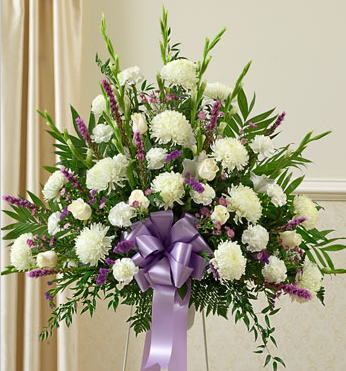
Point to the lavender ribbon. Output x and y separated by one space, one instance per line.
169 254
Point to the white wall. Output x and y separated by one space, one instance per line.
298 50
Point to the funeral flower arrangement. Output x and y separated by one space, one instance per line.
173 194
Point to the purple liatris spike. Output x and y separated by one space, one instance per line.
277 123
83 130
102 276
140 154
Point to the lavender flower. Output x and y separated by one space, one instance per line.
141 157
277 123
193 183
173 155
123 247
42 272
102 276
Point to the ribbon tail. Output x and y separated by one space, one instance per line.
146 351
161 327
178 360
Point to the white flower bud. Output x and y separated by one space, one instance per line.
207 169
290 238
220 214
138 195
79 209
47 259
139 123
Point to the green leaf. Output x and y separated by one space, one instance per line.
280 361
261 117
273 341
243 105
75 115
252 104
275 366
182 291
268 358
35 199
336 247
50 169
293 185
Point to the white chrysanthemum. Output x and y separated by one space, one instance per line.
256 237
99 105
310 279
171 188
277 195
206 197
120 215
107 173
290 238
260 182
102 133
304 206
263 145
124 269
244 202
231 153
156 158
93 244
131 75
172 126
275 270
229 260
53 223
180 72
21 257
53 186
217 90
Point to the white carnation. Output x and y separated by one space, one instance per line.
261 182
290 238
262 145
93 244
231 153
131 75
310 279
99 105
172 126
53 223
206 197
217 90
277 195
102 133
171 188
107 173
244 202
275 270
180 72
156 158
138 195
120 215
304 206
21 257
229 261
124 269
220 214
53 186
256 237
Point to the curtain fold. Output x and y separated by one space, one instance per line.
41 56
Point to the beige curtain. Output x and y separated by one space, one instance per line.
41 56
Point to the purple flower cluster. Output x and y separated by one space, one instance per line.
293 290
291 224
102 276
173 155
213 270
42 272
123 247
115 111
109 261
16 201
210 128
71 178
262 256
83 130
194 184
140 154
277 123
47 296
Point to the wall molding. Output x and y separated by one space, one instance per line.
324 189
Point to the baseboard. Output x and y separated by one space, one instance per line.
323 189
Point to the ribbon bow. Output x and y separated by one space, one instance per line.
168 255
